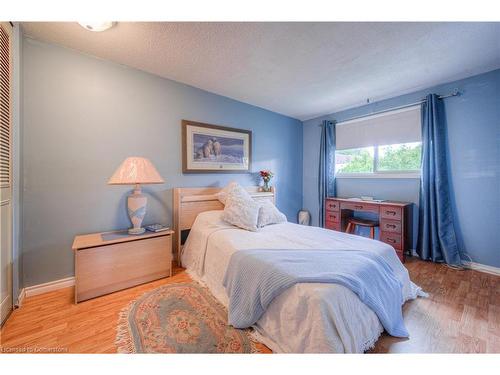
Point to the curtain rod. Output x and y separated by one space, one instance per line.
454 93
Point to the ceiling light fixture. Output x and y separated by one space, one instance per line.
97 26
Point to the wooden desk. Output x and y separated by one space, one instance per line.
111 261
395 219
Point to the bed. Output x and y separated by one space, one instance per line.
307 317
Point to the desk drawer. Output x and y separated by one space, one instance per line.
390 212
393 226
332 216
332 225
332 205
361 206
393 239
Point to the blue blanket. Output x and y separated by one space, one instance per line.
255 277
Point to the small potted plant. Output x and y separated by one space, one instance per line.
266 177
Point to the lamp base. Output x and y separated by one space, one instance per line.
136 231
136 205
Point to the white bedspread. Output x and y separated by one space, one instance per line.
307 318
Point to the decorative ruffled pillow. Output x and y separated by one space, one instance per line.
242 212
234 189
269 214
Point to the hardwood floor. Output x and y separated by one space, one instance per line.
461 315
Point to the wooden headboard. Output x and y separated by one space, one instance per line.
189 202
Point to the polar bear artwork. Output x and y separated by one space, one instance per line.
211 147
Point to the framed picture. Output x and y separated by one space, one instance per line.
215 149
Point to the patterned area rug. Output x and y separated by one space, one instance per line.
179 318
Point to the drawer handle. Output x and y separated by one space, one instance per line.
358 207
332 216
390 225
390 213
391 240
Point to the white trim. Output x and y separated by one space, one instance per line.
17 39
482 268
415 175
49 287
472 266
20 299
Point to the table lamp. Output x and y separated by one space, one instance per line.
136 171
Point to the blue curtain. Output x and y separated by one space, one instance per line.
437 240
326 176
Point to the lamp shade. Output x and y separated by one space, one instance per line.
136 170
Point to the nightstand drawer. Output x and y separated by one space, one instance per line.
111 266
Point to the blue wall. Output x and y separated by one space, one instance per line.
83 116
474 158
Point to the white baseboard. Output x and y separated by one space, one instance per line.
20 299
49 287
473 266
482 268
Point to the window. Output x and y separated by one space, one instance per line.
399 157
355 160
384 145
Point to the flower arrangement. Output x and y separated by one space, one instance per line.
266 176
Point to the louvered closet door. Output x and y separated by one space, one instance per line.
5 170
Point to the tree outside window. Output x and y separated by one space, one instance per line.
404 157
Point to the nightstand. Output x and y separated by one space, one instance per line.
111 261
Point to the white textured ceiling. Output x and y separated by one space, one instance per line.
302 70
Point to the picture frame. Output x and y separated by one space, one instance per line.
208 148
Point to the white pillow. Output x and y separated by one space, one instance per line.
242 212
233 188
269 214
210 219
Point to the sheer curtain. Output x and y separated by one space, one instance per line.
326 176
437 240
